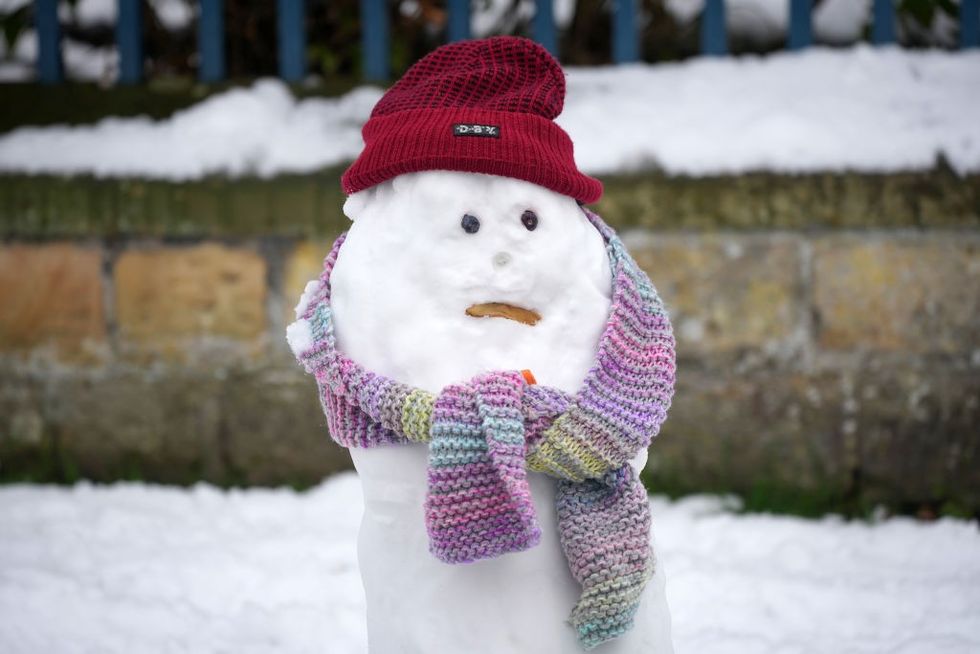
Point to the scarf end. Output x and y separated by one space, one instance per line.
455 550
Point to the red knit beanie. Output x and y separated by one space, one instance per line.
482 106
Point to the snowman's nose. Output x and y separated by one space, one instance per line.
501 259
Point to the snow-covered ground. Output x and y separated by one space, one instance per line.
134 568
860 109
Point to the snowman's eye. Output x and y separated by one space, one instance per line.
530 220
470 223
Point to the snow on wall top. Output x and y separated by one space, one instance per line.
864 109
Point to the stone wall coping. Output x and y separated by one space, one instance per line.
310 205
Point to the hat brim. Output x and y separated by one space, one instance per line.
523 146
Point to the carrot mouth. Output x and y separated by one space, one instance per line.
502 310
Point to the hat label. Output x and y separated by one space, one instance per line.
473 129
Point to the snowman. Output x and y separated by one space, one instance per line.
496 363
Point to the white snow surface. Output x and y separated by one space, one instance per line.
860 109
139 568
261 130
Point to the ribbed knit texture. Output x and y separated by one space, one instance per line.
506 81
485 434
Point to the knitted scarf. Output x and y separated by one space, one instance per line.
484 434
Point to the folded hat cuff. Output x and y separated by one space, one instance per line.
510 144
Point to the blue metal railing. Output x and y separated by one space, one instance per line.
458 27
543 25
48 40
291 31
969 24
374 39
883 22
800 25
625 38
129 40
714 36
291 34
211 40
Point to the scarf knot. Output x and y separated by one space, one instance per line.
479 503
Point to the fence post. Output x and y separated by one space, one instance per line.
129 40
374 39
211 41
292 39
49 69
800 26
543 26
714 39
459 20
969 24
883 22
624 36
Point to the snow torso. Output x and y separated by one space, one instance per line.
400 289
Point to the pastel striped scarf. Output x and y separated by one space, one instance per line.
486 433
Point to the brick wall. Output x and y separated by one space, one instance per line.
828 332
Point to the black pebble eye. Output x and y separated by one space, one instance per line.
470 223
530 220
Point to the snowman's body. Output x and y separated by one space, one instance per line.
400 289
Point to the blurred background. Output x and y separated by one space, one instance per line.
800 179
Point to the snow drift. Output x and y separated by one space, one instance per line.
863 109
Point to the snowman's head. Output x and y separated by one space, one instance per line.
493 270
